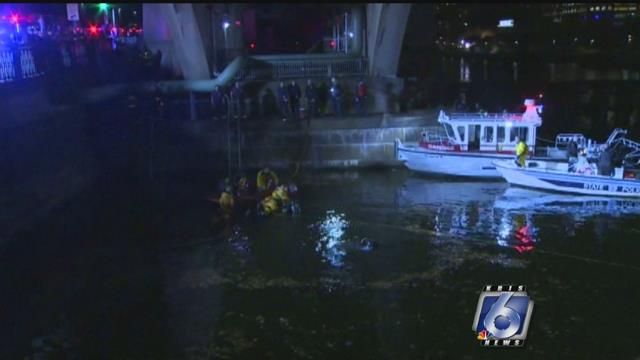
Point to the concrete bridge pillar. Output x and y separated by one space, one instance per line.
189 36
386 24
357 26
174 30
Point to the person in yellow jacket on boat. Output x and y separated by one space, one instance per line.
266 179
521 152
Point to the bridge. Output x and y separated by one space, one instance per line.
190 38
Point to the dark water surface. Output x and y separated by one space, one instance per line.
379 265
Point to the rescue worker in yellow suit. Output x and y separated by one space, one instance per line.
226 209
227 203
521 152
268 206
279 200
281 195
267 180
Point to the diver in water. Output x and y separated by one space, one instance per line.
268 206
266 181
282 199
225 214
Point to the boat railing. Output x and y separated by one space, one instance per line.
435 137
616 134
562 140
628 143
486 116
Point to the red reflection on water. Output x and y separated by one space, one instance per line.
523 234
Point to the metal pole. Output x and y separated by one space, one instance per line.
337 33
192 106
228 135
346 33
365 39
151 148
212 14
335 41
238 143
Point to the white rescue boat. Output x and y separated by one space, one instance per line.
472 142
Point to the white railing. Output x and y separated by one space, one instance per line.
17 64
487 116
7 69
27 64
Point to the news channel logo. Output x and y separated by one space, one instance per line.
503 315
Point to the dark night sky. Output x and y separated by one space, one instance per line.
287 28
49 9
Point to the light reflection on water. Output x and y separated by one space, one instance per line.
331 242
507 214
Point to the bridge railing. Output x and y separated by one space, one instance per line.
276 69
17 64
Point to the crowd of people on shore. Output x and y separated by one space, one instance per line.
292 102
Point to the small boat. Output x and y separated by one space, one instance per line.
582 175
471 142
556 176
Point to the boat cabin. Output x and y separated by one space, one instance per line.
486 132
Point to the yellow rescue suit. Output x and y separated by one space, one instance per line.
269 205
227 204
521 152
280 194
263 179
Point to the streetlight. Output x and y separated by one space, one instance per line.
16 20
104 8
225 26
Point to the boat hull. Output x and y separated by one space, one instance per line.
541 178
450 163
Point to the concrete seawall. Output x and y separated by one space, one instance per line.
327 143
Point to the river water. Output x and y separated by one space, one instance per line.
378 265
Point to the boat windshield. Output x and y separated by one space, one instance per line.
449 131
